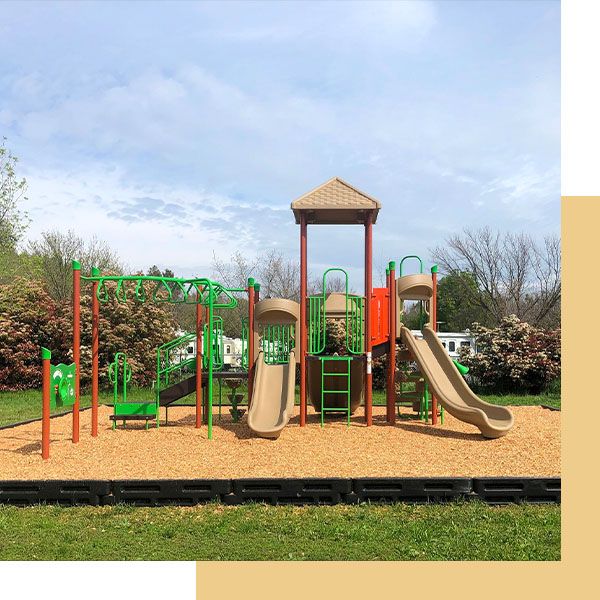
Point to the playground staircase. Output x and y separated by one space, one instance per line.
334 390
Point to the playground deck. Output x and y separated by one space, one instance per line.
410 448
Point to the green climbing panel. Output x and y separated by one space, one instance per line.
62 379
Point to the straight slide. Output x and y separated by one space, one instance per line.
451 389
272 397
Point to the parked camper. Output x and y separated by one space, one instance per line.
232 352
453 342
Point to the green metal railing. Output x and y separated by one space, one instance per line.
277 341
217 344
408 258
422 312
245 332
354 319
172 359
325 391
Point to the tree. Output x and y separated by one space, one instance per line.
513 273
57 250
30 318
457 308
13 220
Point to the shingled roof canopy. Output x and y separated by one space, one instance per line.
335 203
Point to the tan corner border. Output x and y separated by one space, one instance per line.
502 581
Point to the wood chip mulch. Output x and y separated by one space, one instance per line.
408 449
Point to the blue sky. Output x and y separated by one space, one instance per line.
170 130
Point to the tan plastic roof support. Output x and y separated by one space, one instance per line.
335 202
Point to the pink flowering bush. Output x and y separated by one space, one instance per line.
30 318
514 357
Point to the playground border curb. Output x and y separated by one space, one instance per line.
295 491
53 416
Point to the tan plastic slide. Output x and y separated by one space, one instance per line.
272 397
451 389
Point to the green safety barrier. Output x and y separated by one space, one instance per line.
172 359
217 344
422 316
62 379
354 319
277 341
245 333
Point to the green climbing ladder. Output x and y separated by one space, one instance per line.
324 374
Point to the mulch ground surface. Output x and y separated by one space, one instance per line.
178 451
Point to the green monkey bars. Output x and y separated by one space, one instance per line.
172 290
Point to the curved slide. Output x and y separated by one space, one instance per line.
272 397
451 389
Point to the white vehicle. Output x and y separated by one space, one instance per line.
453 342
232 352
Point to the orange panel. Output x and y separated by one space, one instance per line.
380 317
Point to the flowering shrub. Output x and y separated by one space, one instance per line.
30 318
514 357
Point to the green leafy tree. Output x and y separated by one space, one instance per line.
457 304
13 220
29 319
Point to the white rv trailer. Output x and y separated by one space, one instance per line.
232 352
453 342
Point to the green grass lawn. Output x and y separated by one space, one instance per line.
464 531
24 405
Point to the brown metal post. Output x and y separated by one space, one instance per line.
368 298
95 348
251 303
433 323
391 381
198 364
303 333
46 356
76 344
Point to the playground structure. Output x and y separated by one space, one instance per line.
279 334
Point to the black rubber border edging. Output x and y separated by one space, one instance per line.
188 492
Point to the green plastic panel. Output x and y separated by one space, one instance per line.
62 378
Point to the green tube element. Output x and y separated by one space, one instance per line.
462 369
95 272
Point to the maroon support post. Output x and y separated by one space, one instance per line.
433 320
76 344
95 346
303 333
368 298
